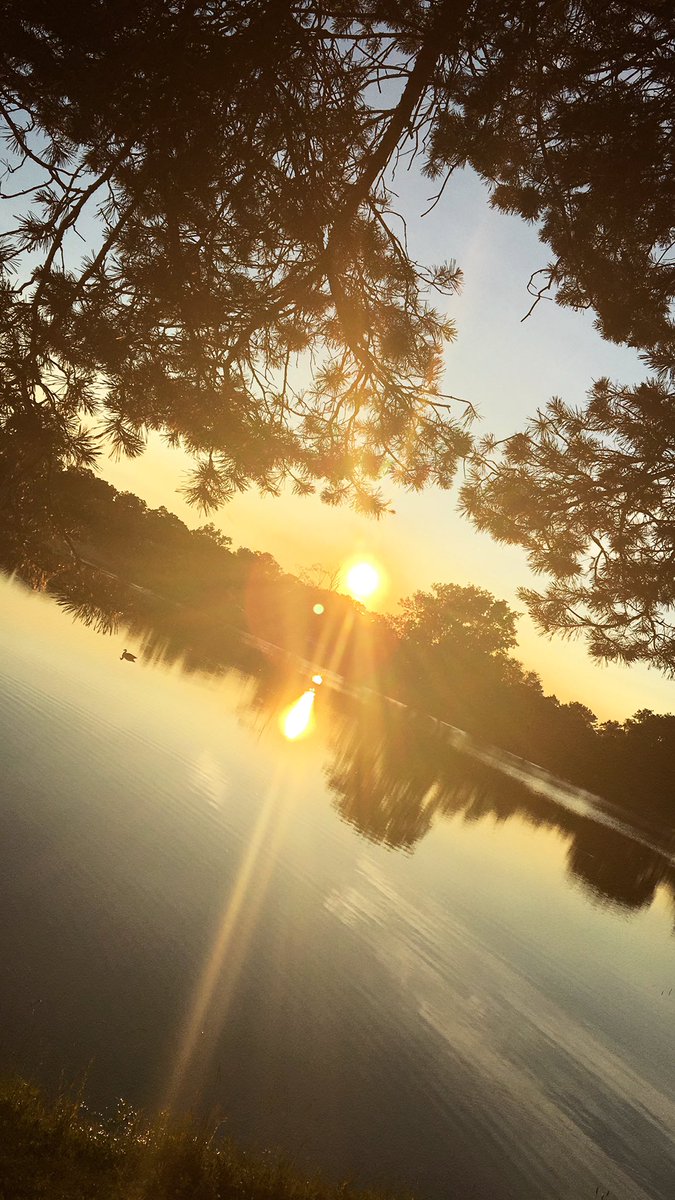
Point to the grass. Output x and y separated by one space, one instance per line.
56 1149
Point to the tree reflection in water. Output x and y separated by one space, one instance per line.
392 773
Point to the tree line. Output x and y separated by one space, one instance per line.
448 652
391 773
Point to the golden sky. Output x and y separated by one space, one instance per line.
506 368
424 542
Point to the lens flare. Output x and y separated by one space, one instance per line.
362 579
297 719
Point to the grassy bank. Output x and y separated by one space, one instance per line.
56 1149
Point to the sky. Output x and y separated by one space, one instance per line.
506 368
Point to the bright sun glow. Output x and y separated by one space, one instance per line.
296 720
363 580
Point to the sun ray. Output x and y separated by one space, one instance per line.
218 979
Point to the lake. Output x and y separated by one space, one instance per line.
361 948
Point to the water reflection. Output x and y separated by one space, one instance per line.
391 774
296 721
392 780
99 602
426 1000
617 869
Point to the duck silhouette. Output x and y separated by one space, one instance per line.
129 657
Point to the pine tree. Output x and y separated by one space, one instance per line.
200 237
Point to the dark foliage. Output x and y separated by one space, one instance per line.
567 108
200 240
591 495
59 1150
241 289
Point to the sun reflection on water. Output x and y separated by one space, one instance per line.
297 720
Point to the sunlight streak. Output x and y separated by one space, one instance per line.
341 642
221 971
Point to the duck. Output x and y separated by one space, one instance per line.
129 657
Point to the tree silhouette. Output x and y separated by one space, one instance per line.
466 619
453 658
392 781
615 868
224 163
230 165
590 494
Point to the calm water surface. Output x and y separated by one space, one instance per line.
439 987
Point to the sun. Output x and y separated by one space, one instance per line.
363 579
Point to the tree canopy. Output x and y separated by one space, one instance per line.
201 236
455 618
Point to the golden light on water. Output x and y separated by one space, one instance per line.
297 720
363 579
217 981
